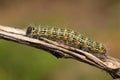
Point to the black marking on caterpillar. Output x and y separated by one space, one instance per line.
67 36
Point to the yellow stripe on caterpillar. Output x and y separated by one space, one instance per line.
71 36
51 33
93 46
46 32
58 33
64 34
77 42
85 43
38 33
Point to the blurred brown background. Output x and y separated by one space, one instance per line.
97 19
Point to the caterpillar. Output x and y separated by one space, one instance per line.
68 36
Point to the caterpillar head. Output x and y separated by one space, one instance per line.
29 30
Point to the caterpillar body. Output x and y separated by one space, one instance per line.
68 36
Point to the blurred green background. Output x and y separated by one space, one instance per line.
97 19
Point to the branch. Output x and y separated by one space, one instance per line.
107 63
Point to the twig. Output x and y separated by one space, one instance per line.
107 63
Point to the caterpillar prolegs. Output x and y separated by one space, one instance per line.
67 36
